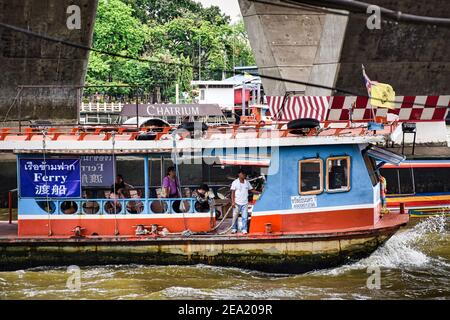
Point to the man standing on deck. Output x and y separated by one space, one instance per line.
239 200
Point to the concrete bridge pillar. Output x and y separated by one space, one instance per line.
294 43
302 43
26 60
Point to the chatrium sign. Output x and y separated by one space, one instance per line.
171 110
52 178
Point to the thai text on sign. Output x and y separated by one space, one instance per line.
53 178
303 202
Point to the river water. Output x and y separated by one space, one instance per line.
413 264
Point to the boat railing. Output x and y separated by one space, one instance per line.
232 131
101 107
78 206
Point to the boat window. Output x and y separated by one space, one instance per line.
310 176
392 183
432 180
406 181
338 174
399 181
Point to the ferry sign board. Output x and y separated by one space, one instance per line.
303 202
97 171
52 178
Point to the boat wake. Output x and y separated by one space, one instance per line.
414 263
410 248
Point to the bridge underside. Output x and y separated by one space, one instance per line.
29 61
288 41
305 44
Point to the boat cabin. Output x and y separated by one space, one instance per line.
320 181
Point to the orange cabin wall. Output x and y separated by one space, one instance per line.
107 227
315 221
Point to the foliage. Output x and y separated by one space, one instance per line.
177 33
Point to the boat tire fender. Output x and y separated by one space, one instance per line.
306 123
191 126
146 136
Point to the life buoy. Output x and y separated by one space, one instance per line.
299 126
306 123
191 126
146 136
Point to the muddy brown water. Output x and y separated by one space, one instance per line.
413 264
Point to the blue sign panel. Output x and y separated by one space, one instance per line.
53 178
97 171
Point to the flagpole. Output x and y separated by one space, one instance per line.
368 92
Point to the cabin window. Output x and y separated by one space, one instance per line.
338 174
432 180
310 177
399 181
392 180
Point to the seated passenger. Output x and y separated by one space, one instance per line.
120 186
113 207
205 202
90 207
134 206
69 207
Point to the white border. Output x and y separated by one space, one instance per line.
311 210
111 216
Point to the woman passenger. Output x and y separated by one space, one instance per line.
171 184
170 188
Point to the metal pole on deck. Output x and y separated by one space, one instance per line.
137 110
258 95
20 116
79 98
243 98
10 206
146 182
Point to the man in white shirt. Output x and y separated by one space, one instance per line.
239 200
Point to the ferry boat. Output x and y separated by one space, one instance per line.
320 204
423 186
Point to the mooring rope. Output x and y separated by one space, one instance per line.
115 200
47 203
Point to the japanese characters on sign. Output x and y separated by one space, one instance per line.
53 178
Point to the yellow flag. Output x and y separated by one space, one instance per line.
382 95
248 76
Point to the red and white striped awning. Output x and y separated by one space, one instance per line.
337 108
297 107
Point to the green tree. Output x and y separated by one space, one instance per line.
117 31
177 33
163 11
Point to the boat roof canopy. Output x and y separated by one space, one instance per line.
161 110
147 121
385 156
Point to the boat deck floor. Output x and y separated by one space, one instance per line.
8 230
8 233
